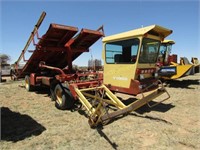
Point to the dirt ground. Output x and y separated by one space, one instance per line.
29 120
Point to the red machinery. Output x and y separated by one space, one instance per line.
51 62
51 65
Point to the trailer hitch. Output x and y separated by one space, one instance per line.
62 76
43 65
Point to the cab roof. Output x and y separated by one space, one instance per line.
153 29
168 42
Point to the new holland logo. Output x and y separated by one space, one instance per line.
120 78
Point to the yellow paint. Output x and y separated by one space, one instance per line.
119 75
113 97
181 70
122 74
168 42
84 101
139 32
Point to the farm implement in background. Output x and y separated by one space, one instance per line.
169 68
129 67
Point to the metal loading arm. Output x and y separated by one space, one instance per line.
36 27
93 99
137 104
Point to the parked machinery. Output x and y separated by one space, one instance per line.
129 67
169 68
196 64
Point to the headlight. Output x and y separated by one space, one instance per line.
141 76
156 75
140 87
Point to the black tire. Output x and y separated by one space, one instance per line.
52 94
64 99
12 75
52 88
28 86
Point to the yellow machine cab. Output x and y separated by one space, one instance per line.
130 58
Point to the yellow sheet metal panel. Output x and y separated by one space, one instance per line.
153 29
85 102
181 70
119 75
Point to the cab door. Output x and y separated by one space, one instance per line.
120 62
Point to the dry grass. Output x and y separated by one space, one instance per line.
30 121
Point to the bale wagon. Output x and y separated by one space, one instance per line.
129 67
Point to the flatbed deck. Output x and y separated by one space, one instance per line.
58 45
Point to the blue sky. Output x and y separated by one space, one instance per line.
19 17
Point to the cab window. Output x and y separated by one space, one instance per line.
149 51
122 52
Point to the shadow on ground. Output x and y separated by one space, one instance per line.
152 118
102 134
162 107
39 90
143 111
16 126
182 83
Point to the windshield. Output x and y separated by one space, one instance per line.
165 49
149 51
122 52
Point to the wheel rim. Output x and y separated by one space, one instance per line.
26 84
59 96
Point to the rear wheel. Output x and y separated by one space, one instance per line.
52 88
12 75
64 99
52 94
28 86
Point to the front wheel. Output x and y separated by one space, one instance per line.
64 99
28 86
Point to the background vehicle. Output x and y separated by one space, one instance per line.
169 68
4 66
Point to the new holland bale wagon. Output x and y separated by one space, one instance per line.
129 67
